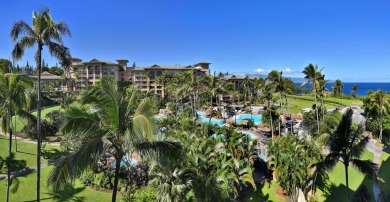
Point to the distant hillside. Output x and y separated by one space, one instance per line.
295 80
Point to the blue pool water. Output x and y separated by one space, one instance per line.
256 118
219 122
133 163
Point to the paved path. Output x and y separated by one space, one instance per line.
377 155
29 140
27 170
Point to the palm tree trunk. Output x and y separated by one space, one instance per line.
281 111
270 118
9 163
381 126
211 108
39 138
118 160
315 100
346 179
16 142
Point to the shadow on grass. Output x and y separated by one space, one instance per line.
15 164
52 154
67 194
384 174
258 195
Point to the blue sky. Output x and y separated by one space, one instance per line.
350 39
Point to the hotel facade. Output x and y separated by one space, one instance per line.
86 74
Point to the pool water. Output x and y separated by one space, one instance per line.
219 122
256 118
133 163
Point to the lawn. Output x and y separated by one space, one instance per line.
265 194
26 155
335 189
295 105
20 123
24 189
329 100
385 172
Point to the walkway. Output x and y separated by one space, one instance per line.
29 140
377 155
28 170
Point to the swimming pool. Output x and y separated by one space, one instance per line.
133 163
256 118
203 119
250 135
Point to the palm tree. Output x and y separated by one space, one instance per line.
246 85
311 74
211 86
44 32
354 89
277 82
382 102
347 145
267 96
337 87
13 96
105 123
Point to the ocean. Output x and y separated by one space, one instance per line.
363 87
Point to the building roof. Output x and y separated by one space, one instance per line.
47 76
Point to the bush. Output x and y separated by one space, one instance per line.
31 129
55 118
144 194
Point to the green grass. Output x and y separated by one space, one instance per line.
385 172
335 189
26 155
20 123
25 190
296 105
265 194
329 100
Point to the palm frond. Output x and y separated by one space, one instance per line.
366 166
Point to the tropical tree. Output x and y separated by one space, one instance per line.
211 87
382 102
337 87
312 76
44 32
105 123
355 88
376 106
347 144
13 97
276 79
292 159
246 85
268 97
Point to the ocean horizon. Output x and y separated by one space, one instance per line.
363 87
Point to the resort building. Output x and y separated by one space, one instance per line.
86 74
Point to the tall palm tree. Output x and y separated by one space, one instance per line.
246 85
355 87
347 145
211 86
44 32
312 76
267 96
382 102
105 123
13 96
337 87
276 79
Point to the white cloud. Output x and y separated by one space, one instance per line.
288 71
260 71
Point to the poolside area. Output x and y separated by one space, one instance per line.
203 119
240 117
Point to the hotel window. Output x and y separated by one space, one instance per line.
159 73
